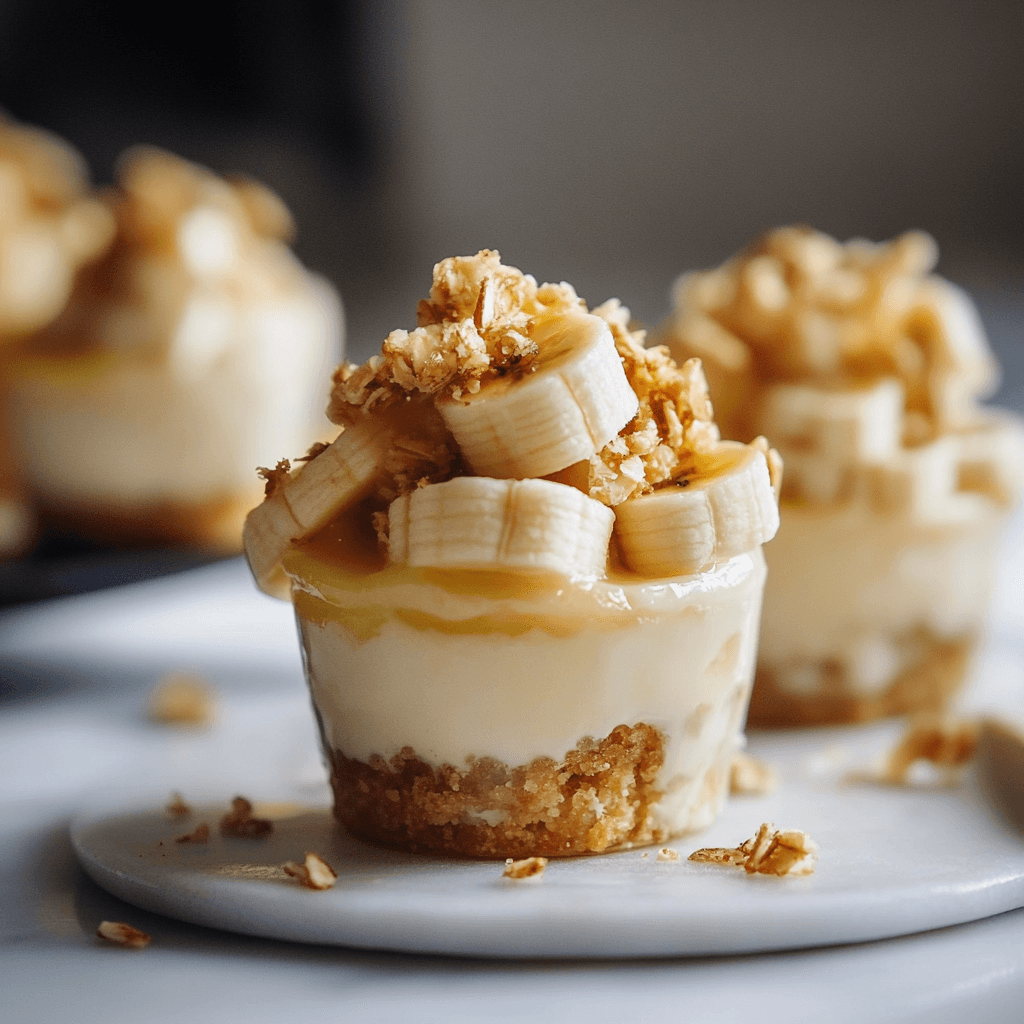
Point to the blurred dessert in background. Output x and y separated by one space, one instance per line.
527 577
49 227
191 353
866 370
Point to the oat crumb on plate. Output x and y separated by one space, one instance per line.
750 777
117 933
240 823
770 852
180 698
176 806
199 835
529 867
947 744
666 853
313 873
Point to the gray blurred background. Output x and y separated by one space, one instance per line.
609 144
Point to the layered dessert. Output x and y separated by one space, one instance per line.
527 577
866 369
192 352
49 227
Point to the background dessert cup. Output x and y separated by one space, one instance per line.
866 371
492 673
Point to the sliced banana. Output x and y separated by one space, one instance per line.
575 400
485 523
310 498
679 530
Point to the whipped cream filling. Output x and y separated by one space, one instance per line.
845 583
455 674
194 426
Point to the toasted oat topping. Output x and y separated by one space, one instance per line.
314 872
181 699
239 822
176 806
530 867
673 429
750 777
666 853
770 852
117 933
474 326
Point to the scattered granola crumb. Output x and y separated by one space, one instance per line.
313 873
240 823
770 852
531 867
750 777
176 806
117 933
947 744
667 853
643 856
200 834
181 699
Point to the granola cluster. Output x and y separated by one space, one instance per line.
800 307
770 852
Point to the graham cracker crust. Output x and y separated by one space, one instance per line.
595 799
215 523
925 686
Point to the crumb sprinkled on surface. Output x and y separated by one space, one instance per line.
199 835
181 699
947 744
313 873
529 867
176 806
117 933
770 852
750 777
666 853
239 822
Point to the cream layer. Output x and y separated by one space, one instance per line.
421 659
191 425
845 582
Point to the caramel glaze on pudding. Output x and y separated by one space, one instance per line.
561 717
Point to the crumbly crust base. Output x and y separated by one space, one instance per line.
595 799
928 685
215 524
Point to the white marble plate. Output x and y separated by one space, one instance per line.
892 862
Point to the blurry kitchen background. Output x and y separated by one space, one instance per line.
609 144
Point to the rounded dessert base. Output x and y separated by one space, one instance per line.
597 799
928 685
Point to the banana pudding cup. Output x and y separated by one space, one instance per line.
866 370
527 578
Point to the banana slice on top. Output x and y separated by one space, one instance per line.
474 522
572 403
678 530
309 498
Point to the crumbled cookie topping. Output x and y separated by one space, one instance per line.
750 777
181 699
117 933
473 327
529 867
314 872
198 836
240 823
770 852
666 853
673 429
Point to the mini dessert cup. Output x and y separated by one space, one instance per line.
510 716
527 578
866 371
191 352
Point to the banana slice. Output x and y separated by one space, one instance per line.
573 403
310 498
484 523
681 530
